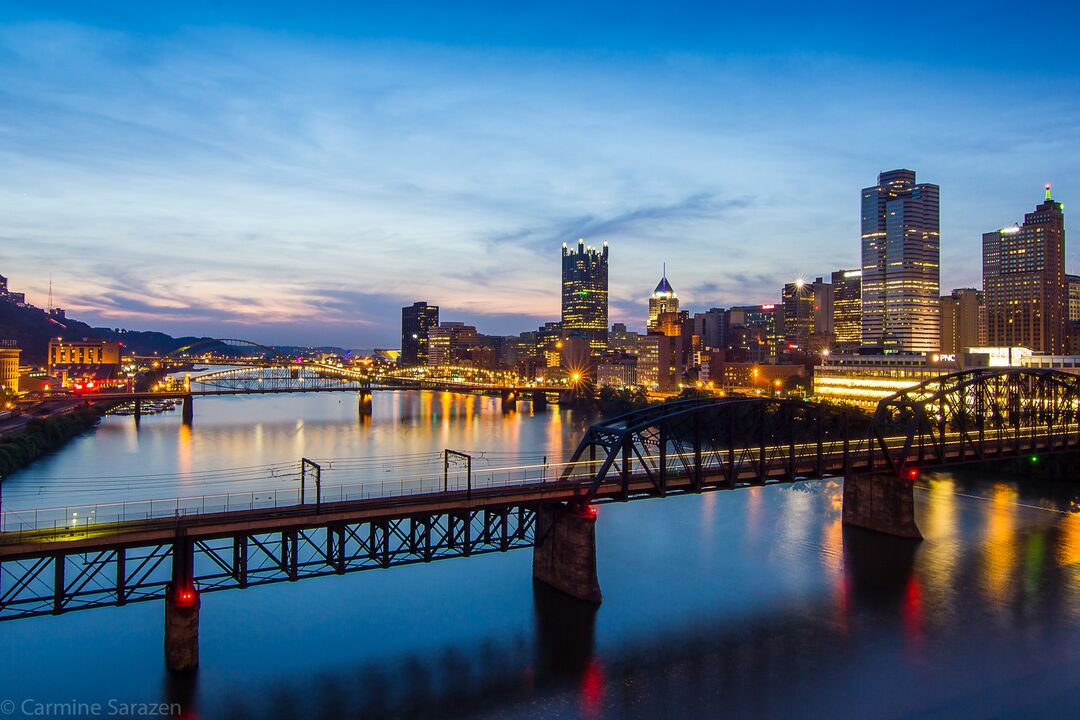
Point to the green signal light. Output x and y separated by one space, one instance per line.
1034 458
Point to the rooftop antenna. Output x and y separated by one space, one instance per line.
50 292
1047 191
665 270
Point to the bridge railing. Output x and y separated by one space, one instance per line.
102 515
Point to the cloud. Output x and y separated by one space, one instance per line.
229 176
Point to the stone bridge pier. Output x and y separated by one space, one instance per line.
182 611
883 502
565 553
509 400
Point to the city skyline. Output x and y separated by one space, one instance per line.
222 175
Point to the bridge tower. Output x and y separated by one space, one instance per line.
565 553
182 610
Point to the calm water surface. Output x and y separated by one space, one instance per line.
752 603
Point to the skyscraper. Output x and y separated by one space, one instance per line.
847 307
416 320
901 243
1024 281
663 300
585 294
798 298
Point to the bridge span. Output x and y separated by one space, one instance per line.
689 446
309 378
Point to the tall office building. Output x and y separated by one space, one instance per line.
798 298
416 320
1024 281
901 243
663 300
585 294
847 308
963 321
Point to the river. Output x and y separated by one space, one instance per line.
749 603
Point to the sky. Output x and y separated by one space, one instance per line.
295 174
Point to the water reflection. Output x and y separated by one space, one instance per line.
118 461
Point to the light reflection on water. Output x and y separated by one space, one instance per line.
748 603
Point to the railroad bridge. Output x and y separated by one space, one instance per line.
690 446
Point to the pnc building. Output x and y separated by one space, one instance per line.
585 295
1024 282
901 243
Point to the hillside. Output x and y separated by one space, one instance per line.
31 328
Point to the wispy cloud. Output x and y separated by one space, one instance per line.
210 178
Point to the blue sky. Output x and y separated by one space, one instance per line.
247 169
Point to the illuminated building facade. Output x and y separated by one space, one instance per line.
585 294
863 380
1024 281
963 321
901 243
663 300
847 308
9 368
416 321
85 354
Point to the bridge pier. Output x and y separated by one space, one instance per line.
138 410
182 611
565 553
364 403
187 410
539 400
882 502
509 400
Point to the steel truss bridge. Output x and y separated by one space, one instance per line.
684 446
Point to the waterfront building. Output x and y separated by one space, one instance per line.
863 380
416 321
449 344
618 371
585 294
9 367
847 308
963 321
1024 281
99 358
663 300
901 243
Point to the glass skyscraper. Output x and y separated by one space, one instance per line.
585 294
901 242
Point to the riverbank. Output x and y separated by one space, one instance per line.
42 436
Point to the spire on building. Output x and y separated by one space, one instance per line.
1048 191
663 288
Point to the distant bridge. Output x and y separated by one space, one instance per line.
687 446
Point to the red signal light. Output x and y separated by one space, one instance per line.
913 474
